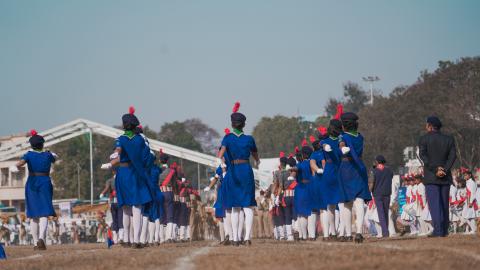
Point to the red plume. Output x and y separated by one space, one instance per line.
227 131
131 110
297 150
33 132
312 139
290 155
322 130
236 107
304 142
282 154
161 151
140 126
339 111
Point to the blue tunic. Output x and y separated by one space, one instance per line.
330 190
352 173
39 189
219 207
318 183
132 183
239 181
154 209
303 201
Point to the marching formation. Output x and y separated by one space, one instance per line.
322 183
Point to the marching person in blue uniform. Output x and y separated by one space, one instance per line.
352 175
303 200
330 188
132 181
240 184
39 189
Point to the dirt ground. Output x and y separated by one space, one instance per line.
454 252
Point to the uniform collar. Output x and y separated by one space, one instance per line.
237 132
129 133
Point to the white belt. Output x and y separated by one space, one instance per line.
289 193
165 189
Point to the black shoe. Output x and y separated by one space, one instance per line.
236 244
332 238
358 238
242 243
248 243
137 246
41 245
348 239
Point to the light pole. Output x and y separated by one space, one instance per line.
371 80
78 180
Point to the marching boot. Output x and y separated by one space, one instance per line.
358 238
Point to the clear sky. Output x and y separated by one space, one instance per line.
173 60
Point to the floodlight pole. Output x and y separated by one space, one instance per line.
371 80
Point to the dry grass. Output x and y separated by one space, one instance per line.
454 252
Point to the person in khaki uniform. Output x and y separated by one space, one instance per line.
262 212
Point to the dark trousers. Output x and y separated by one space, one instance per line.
383 204
288 210
117 217
168 207
437 198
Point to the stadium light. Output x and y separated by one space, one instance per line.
371 80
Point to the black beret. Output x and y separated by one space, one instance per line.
238 117
307 151
434 121
130 120
291 162
349 116
336 123
283 160
36 141
380 159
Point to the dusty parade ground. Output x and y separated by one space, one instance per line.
454 252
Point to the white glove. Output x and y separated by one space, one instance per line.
14 169
106 166
101 196
320 171
207 189
277 200
345 150
327 148
54 155
184 179
288 167
223 174
114 156
291 178
213 178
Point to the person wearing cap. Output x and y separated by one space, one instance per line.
382 189
132 179
287 185
38 189
352 175
438 154
240 183
330 188
317 163
278 215
303 200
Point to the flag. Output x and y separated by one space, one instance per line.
109 238
3 256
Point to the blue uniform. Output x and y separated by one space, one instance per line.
239 181
132 182
329 190
154 209
219 207
318 184
39 189
303 200
352 173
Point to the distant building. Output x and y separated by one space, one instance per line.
12 191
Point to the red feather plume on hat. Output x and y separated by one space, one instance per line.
227 131
131 110
282 154
290 155
312 139
297 150
339 111
33 132
236 107
140 126
304 142
322 130
161 151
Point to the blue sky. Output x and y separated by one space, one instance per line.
173 60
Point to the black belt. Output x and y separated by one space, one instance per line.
240 161
39 174
124 164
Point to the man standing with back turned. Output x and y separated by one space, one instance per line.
437 151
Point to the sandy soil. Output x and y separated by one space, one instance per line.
454 252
